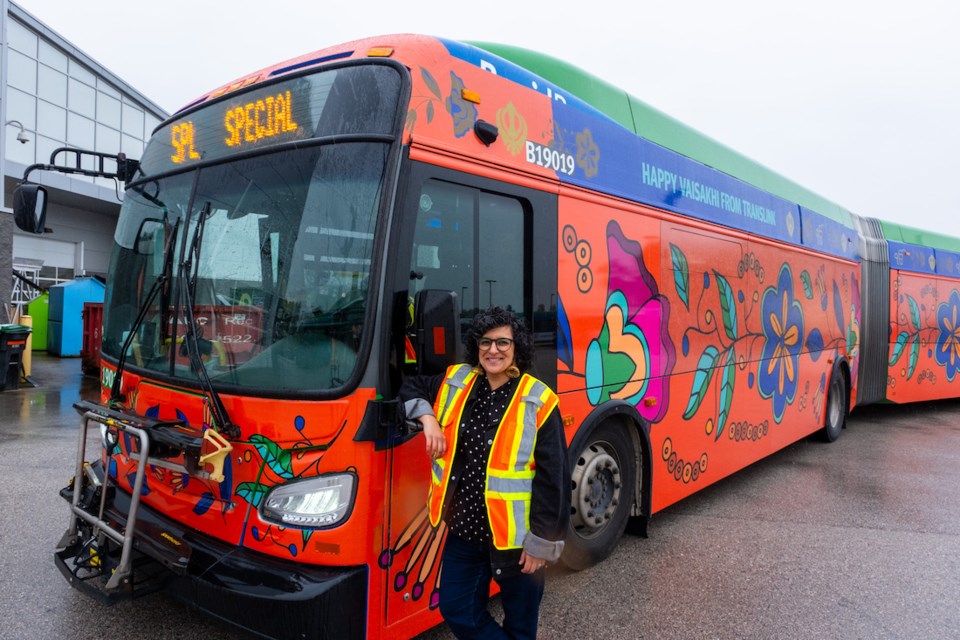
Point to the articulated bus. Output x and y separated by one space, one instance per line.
295 242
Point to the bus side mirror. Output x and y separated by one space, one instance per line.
437 329
30 207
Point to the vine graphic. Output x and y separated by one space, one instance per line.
909 341
782 340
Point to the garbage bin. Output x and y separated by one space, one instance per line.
13 342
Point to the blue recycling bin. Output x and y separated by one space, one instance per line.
65 315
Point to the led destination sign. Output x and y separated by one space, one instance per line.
260 119
332 102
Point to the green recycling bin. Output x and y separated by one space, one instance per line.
13 342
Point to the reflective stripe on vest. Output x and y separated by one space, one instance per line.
448 408
511 467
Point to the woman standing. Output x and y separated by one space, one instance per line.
500 477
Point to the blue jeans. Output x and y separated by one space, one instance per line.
465 590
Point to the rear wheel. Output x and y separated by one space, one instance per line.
837 401
603 481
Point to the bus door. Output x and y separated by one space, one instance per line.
476 238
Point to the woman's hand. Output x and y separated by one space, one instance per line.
433 435
530 563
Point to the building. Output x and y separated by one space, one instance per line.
54 95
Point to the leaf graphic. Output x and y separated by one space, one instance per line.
276 458
701 380
898 347
728 306
807 284
252 492
411 119
227 484
430 82
204 504
564 339
914 355
681 274
429 112
727 378
914 313
815 343
838 307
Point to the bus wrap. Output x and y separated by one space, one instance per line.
295 242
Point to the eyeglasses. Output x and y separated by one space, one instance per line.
502 343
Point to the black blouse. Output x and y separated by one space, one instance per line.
467 517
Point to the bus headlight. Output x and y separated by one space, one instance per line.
312 503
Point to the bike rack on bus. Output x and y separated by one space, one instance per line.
159 443
124 571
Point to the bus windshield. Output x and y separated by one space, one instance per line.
277 250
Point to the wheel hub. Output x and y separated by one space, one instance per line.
597 487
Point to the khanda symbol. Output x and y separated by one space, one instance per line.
513 128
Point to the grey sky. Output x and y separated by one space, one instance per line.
856 100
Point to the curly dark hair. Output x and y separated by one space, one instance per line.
493 318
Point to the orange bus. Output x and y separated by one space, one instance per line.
294 243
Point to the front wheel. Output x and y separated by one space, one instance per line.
603 480
837 402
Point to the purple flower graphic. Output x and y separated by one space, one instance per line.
948 340
782 320
633 356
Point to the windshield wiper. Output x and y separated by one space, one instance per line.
158 284
191 341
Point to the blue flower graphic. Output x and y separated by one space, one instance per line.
782 319
948 341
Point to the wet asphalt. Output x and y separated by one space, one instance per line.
855 539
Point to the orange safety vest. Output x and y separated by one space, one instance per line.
510 465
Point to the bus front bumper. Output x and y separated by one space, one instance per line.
268 597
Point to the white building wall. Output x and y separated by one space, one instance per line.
62 97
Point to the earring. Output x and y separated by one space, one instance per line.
512 371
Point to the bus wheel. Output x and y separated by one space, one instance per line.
837 400
603 480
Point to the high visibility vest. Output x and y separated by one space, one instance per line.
510 464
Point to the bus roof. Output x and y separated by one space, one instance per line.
921 237
658 127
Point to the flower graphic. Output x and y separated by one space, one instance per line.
588 154
464 113
948 341
633 355
782 320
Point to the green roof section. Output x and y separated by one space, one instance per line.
658 127
910 235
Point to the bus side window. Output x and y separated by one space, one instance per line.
470 242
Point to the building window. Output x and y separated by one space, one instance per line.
51 56
80 131
52 85
21 38
22 72
83 99
51 120
81 73
132 121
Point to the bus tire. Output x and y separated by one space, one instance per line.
838 400
602 490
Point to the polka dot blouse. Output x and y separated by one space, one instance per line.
468 512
